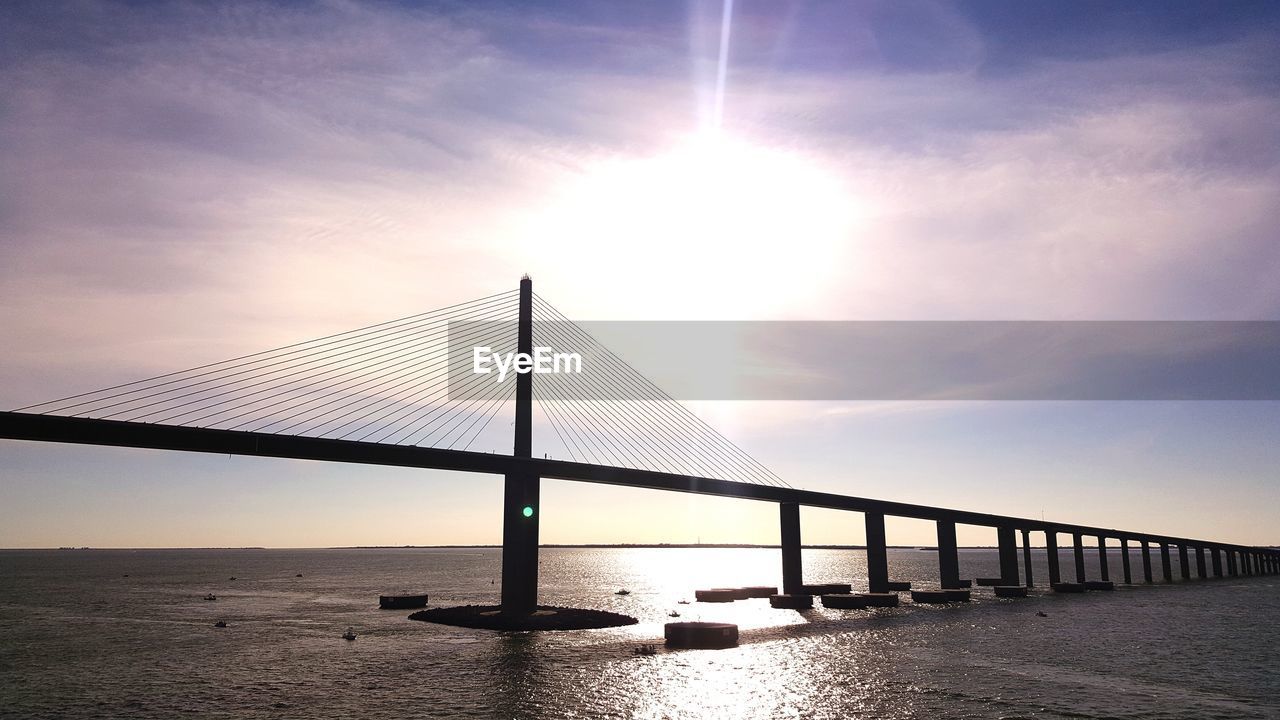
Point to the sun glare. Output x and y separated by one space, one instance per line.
711 210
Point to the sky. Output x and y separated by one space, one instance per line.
191 181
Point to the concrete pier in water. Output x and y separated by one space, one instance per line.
1078 542
1124 561
792 570
877 554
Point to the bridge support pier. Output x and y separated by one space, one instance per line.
1026 556
1231 562
1008 554
1103 572
1124 561
877 554
1051 554
520 545
1184 562
1201 571
792 569
948 556
1216 556
1146 562
1078 541
1166 568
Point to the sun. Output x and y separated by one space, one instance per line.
710 211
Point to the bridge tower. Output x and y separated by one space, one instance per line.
520 509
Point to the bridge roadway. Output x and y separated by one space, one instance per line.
52 428
523 473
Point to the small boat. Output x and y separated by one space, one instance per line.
623 591
645 650
233 577
210 596
220 624
673 613
1041 613
349 634
682 602
298 575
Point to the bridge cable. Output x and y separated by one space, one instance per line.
666 405
721 454
622 411
332 365
317 342
761 472
631 418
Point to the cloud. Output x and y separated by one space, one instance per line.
186 180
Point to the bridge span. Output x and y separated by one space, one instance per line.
522 474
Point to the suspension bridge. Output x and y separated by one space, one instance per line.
384 395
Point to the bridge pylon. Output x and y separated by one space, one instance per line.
520 507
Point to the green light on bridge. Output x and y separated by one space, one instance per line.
528 511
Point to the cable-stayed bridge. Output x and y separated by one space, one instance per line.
393 394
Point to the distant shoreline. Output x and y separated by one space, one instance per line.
600 546
604 546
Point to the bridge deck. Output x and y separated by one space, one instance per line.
54 428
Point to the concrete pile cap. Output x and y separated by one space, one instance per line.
760 591
939 596
1010 591
844 601
716 595
704 635
826 588
880 599
791 602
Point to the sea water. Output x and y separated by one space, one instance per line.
128 634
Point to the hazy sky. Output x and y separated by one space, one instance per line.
187 182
